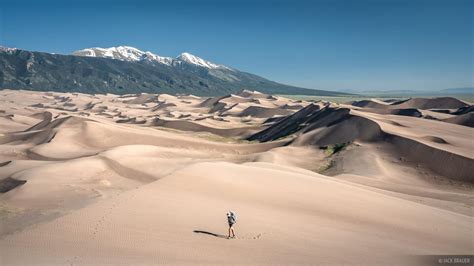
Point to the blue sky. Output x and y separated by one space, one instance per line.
334 45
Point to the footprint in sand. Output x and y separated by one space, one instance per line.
258 236
248 238
102 220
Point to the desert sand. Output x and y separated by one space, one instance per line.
148 179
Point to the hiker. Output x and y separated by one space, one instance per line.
231 219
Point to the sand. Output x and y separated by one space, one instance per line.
148 179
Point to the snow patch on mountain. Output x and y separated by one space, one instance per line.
127 53
192 59
7 49
124 53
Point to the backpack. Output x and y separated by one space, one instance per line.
233 216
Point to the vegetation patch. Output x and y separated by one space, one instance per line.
335 148
330 151
326 166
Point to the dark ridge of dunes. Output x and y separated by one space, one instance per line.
433 103
210 102
464 110
9 183
195 127
369 104
256 101
68 104
217 107
187 97
5 163
405 112
59 121
253 94
102 108
127 95
435 139
203 118
463 120
142 98
132 120
414 103
64 108
181 116
262 112
89 106
240 99
84 114
51 138
162 105
107 115
288 125
46 116
346 129
273 119
442 111
221 108
292 107
395 101
62 99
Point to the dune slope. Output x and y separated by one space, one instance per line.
285 217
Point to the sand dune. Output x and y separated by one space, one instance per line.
370 104
196 127
405 112
441 109
463 110
416 103
341 126
466 119
147 179
287 126
150 224
434 103
141 99
261 112
254 94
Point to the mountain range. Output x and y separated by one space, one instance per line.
124 69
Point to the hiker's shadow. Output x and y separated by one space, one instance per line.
209 233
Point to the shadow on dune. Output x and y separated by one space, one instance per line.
9 183
5 163
209 233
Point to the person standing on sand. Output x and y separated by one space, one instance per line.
231 219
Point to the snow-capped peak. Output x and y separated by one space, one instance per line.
124 53
127 53
7 49
192 59
161 59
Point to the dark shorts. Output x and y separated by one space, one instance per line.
231 224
